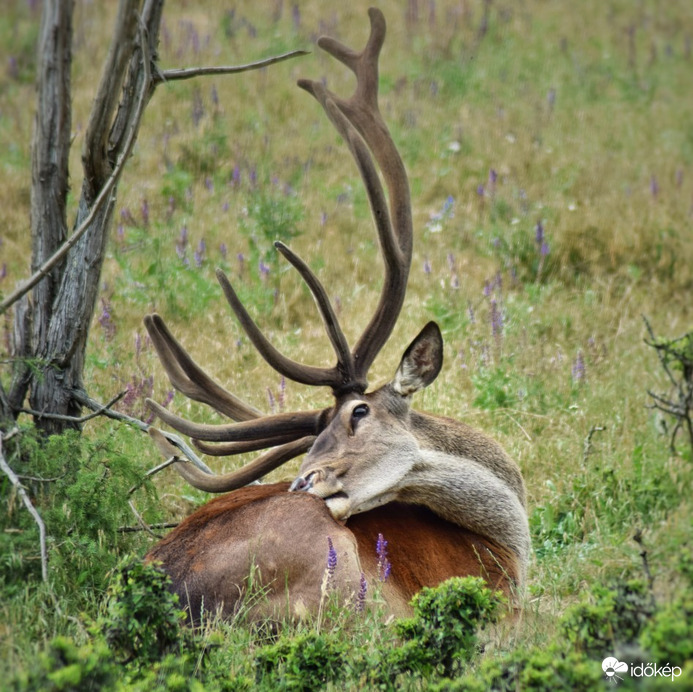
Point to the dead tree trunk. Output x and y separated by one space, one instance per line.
51 327
52 322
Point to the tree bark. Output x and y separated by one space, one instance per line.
50 364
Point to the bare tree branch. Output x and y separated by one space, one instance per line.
88 402
190 72
7 470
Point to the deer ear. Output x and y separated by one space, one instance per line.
421 361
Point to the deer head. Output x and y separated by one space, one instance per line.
359 122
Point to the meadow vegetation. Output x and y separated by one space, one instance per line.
550 154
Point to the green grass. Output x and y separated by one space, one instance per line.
583 112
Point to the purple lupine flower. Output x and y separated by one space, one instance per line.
223 250
145 212
539 233
480 190
126 217
470 314
13 68
106 320
198 109
138 346
544 249
168 398
451 263
426 266
578 369
323 218
384 566
120 233
496 320
264 270
171 207
331 563
209 184
253 176
241 263
199 254
236 176
654 186
360 603
214 95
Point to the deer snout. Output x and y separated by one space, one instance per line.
302 484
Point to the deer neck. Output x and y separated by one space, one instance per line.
468 494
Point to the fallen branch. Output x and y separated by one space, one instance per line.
176 441
7 470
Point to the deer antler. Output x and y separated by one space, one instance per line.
359 122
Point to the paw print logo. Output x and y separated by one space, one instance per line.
612 666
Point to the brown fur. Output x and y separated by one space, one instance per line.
263 529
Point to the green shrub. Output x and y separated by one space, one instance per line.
142 618
443 633
302 662
608 617
66 667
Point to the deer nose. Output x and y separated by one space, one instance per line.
302 484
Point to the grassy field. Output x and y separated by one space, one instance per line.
550 152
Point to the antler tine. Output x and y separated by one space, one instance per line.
298 372
189 379
226 449
395 232
345 361
291 424
235 479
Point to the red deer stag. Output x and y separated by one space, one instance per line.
448 499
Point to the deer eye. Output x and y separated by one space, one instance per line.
358 412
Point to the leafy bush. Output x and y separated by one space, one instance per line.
302 662
67 667
142 618
443 634
608 617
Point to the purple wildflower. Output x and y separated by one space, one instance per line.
496 320
145 212
426 266
539 233
106 320
360 604
241 263
480 190
470 314
578 369
654 187
384 565
331 563
200 252
236 176
264 270
224 251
